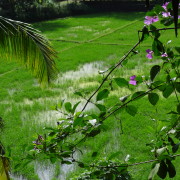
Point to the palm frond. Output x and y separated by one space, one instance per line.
22 43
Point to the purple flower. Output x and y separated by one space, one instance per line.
165 5
150 19
149 54
164 55
132 80
166 14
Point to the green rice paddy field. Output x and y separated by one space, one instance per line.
85 45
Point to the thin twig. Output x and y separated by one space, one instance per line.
135 164
118 64
143 94
161 29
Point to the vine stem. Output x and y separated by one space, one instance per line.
135 164
143 94
161 29
106 77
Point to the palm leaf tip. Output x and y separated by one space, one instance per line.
24 44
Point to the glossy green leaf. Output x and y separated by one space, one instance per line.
171 169
178 108
102 94
80 164
112 156
78 93
121 82
154 71
177 86
157 47
132 110
175 148
68 106
94 154
75 106
162 172
78 122
101 107
145 33
138 94
153 98
168 91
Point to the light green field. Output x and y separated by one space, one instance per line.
85 44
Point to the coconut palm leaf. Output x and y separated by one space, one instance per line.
22 43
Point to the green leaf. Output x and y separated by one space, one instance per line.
154 71
112 156
154 171
138 93
158 9
175 148
145 33
75 106
80 164
171 169
153 98
79 121
167 22
154 32
94 154
68 106
162 172
102 94
132 110
53 160
178 108
66 162
157 47
177 86
121 82
168 91
101 107
171 141
94 132
78 93
22 43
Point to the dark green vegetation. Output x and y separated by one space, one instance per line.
26 108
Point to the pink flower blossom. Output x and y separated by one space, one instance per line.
150 19
149 54
166 14
132 80
164 55
165 5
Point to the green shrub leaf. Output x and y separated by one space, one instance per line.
171 169
168 91
68 106
132 110
162 172
102 94
153 98
154 71
121 82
